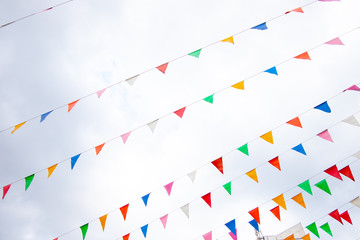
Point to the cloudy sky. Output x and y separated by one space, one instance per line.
59 56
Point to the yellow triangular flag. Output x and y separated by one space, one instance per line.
252 174
280 200
229 39
51 169
103 221
299 199
17 127
239 85
268 137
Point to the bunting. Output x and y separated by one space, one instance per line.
209 99
325 135
152 125
275 162
333 171
208 236
252 174
313 229
132 80
180 112
336 215
268 137
168 187
291 237
144 230
233 236
299 10
231 225
126 237
306 237
335 41
295 122
185 209
255 214
276 212
195 53
163 220
244 149
5 190
17 127
84 229
345 215
72 104
103 221
324 107
239 85
300 149
51 170
125 137
272 71
229 40
99 148
124 210
254 224
303 56
145 199
306 187
326 228
28 181
44 116
100 92
227 187
218 163
346 171
261 26
162 68
280 200
207 198
74 160
299 200
192 176
323 186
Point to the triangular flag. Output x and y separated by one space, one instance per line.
325 135
326 228
43 116
324 107
313 229
345 215
207 198
291 237
254 224
17 127
185 210
357 155
98 148
192 176
261 26
209 99
356 202
132 80
280 200
28 181
125 136
124 210
276 212
72 104
180 112
208 236
272 70
299 200
299 148
229 40
218 163
306 187
51 170
333 171
335 41
195 53
323 186
152 125
352 121
5 190
353 88
268 137
231 226
252 174
295 122
303 56
346 171
145 199
306 237
162 68
103 221
239 85
100 92
233 236
168 187
126 237
336 215
84 229
299 10
163 220
275 162
74 160
144 230
255 214
227 187
244 149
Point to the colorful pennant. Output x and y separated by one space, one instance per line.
346 171
162 68
345 215
306 187
280 200
303 56
84 229
295 122
209 99
100 92
207 198
195 53
299 148
325 135
218 163
227 187
51 170
229 40
152 125
103 221
333 171
185 209
168 187
132 80
126 237
272 71
72 104
17 127
275 162
44 116
244 149
261 26
313 229
323 186
299 200
268 137
99 148
239 85
276 212
5 190
145 199
124 210
180 112
231 225
192 176
255 214
291 237
252 174
144 229
28 181
208 236
74 160
163 220
326 228
125 137
336 215
254 224
324 107
335 41
299 10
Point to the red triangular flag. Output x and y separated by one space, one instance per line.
180 112
126 237
5 190
72 104
207 198
276 212
162 68
255 214
295 122
218 164
333 171
345 215
98 148
275 162
299 10
336 215
304 56
124 210
346 171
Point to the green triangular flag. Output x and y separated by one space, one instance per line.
244 149
326 228
28 181
84 229
195 53
227 187
306 186
323 186
312 228
209 99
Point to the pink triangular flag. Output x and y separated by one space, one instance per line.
233 236
168 187
125 137
325 135
180 112
208 236
335 41
162 68
163 220
99 93
354 88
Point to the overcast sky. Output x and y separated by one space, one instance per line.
56 57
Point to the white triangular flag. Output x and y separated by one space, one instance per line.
192 176
185 210
152 125
356 202
357 155
131 80
352 120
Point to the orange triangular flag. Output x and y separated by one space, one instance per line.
291 237
299 10
255 214
304 56
17 127
239 85
124 210
51 170
276 212
280 200
162 68
299 199
295 122
229 39
72 104
275 162
306 237
103 221
268 137
252 174
126 237
98 148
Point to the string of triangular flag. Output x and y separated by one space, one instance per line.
162 68
244 148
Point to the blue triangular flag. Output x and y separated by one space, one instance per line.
144 229
45 115
254 224
260 26
231 226
145 199
272 70
74 160
324 107
299 148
